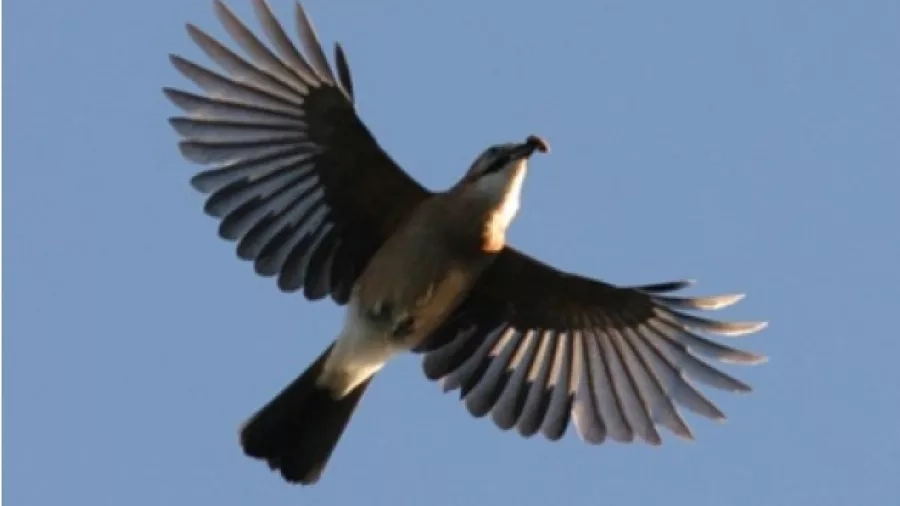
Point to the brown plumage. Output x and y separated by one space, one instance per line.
447 247
304 190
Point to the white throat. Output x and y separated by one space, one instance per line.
504 190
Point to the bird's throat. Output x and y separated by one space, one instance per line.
503 208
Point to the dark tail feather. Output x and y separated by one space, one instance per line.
297 431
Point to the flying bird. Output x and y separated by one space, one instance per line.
301 186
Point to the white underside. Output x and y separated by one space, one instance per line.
504 188
360 351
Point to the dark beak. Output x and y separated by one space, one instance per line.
532 143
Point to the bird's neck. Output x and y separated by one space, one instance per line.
495 201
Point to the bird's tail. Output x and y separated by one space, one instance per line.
297 431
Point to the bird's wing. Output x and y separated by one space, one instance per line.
296 179
537 347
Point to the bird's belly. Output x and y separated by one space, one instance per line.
361 350
409 294
375 332
408 288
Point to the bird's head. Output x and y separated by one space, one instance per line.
494 183
500 169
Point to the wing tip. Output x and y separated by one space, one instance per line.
201 183
192 152
650 436
722 301
738 329
180 124
219 5
748 358
182 64
171 95
196 34
684 433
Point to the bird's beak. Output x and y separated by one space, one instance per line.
532 143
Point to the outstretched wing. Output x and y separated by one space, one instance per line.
297 180
537 347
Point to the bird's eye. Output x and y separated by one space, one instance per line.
492 160
497 162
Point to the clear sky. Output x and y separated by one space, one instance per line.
753 146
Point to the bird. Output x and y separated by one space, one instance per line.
303 190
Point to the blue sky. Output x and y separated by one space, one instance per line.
752 146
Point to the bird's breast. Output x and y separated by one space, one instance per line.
417 279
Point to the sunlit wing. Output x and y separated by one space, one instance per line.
295 177
537 348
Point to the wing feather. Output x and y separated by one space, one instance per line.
615 361
293 175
